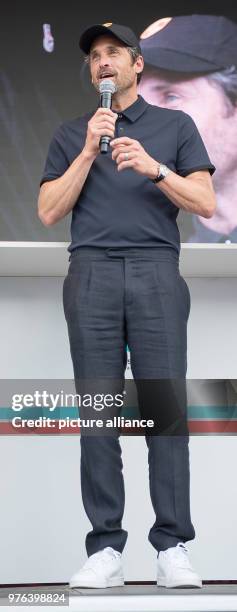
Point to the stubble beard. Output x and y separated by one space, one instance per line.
121 86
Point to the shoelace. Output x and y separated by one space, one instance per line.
103 557
180 556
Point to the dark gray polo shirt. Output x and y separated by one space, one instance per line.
125 209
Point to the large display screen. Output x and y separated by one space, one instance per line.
189 65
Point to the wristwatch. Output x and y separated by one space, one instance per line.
163 171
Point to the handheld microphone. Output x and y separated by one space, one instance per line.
107 89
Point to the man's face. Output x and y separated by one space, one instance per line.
214 116
110 58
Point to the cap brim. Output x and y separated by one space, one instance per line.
90 34
168 59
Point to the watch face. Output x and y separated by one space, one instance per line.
164 170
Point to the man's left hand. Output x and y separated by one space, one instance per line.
137 157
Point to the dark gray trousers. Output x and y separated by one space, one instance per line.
113 298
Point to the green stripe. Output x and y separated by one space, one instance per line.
194 413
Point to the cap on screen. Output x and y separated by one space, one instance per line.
190 43
126 35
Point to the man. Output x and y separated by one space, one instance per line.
123 287
191 65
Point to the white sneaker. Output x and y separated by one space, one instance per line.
101 570
174 568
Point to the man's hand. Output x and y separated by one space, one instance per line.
101 124
137 157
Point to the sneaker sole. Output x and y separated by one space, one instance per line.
178 585
98 585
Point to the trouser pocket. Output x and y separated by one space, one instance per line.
187 295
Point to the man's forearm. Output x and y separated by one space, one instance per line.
57 197
192 195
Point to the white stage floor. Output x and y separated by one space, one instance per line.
130 598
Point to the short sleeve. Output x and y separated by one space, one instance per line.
56 161
191 151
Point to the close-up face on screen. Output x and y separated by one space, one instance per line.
190 65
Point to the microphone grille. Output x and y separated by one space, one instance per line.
107 86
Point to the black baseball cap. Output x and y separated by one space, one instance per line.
126 35
190 43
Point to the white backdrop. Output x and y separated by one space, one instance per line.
42 520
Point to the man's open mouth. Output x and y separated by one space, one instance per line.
106 75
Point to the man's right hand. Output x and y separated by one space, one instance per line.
101 124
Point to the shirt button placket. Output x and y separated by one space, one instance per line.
120 127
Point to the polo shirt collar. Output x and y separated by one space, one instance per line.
135 110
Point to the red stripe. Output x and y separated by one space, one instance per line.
195 427
212 426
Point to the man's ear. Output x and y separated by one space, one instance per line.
141 63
